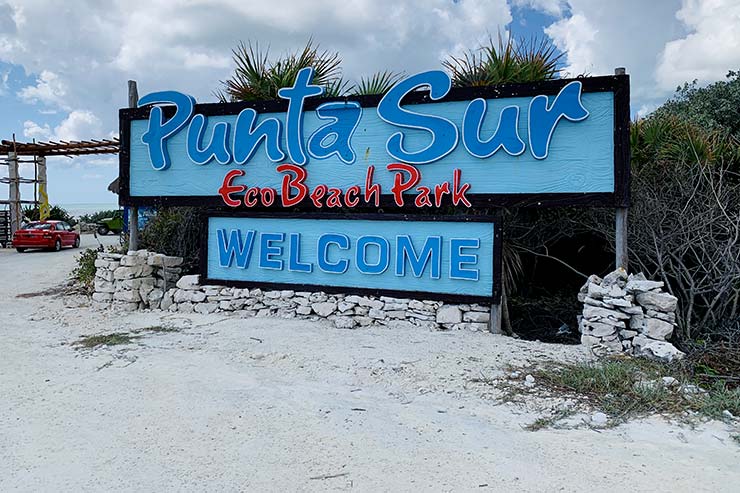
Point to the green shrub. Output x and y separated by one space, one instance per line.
174 231
84 273
97 216
56 213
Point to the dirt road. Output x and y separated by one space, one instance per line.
222 404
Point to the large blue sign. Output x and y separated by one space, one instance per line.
449 259
422 145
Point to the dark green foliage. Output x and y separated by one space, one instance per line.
505 61
84 273
174 231
114 339
256 77
97 216
378 83
55 213
715 107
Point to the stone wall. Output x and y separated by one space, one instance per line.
628 313
134 281
144 280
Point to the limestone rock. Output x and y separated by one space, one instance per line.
190 282
181 296
160 260
597 292
132 261
658 350
206 308
594 312
303 310
102 297
478 317
662 302
615 278
127 296
642 286
324 309
125 272
617 302
652 327
449 314
597 329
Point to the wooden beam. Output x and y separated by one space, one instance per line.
621 244
133 212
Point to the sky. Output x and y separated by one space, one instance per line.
64 65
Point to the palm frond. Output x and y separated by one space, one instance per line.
377 84
503 61
255 77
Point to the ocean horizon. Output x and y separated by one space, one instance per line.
80 209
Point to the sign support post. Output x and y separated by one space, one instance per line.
16 213
133 216
622 254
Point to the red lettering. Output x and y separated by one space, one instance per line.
458 192
289 182
227 188
334 200
399 185
371 188
439 190
250 197
267 195
423 200
317 194
353 191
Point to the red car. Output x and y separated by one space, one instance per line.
45 234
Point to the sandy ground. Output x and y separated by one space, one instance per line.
276 405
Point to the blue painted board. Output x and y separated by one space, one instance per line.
580 160
457 268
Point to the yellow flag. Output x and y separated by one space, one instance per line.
44 209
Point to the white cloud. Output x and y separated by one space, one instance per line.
185 45
49 90
32 130
709 51
600 35
646 109
577 36
79 125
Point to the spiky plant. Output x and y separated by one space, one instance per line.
256 77
377 84
505 61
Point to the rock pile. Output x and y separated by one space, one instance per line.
137 280
628 313
144 280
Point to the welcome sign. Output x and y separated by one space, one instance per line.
423 145
399 256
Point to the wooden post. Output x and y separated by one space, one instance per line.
133 211
621 246
495 323
14 195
